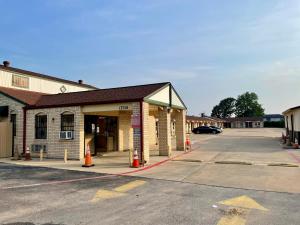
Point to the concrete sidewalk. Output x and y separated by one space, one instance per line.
109 163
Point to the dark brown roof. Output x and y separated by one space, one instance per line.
21 71
198 118
101 96
244 119
25 97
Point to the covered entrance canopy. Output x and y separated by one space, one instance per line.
142 125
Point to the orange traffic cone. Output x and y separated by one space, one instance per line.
27 154
136 162
296 144
188 143
88 158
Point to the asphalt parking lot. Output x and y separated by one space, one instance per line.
193 189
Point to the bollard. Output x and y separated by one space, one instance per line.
41 154
66 156
27 154
130 157
16 154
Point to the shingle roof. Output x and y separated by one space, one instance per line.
243 119
101 96
25 97
34 74
273 116
198 118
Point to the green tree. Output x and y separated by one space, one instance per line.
247 105
224 109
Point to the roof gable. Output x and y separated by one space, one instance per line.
166 96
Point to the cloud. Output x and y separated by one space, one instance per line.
280 25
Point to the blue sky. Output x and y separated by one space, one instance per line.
209 50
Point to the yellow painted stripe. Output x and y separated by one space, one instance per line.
243 202
104 194
129 186
232 220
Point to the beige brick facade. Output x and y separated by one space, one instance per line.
125 132
152 137
164 131
180 117
55 145
128 138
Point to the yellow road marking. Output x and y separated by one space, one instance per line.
232 220
243 202
129 186
236 217
104 194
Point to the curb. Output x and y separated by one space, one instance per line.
96 177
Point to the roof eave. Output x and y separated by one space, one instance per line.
81 104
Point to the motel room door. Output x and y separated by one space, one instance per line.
249 124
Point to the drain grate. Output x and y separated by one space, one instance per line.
234 162
188 160
283 164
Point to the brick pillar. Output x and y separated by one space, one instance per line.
164 132
180 129
146 131
137 131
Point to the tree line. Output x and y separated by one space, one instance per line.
246 105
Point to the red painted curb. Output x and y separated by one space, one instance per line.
97 177
294 156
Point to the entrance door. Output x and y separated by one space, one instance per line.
106 134
5 139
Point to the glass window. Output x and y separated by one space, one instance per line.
41 126
67 122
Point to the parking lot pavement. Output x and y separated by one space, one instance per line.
239 158
133 200
226 179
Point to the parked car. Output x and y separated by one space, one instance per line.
221 129
206 130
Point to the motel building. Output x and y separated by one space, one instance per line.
38 111
292 123
197 121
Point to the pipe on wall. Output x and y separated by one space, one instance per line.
24 129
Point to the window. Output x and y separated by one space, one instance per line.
67 122
41 126
20 81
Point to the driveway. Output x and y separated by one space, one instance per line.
226 179
239 158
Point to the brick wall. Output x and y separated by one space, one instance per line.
164 132
125 132
153 142
180 117
55 145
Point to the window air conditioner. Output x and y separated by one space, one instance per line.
66 135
